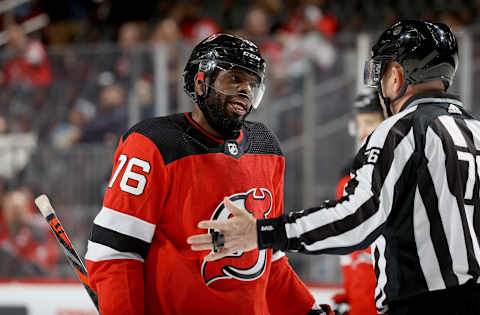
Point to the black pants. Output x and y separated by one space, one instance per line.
462 300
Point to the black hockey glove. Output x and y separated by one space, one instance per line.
324 310
341 308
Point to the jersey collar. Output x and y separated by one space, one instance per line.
431 97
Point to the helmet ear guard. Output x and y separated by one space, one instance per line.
206 69
200 77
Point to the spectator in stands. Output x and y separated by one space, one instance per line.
167 34
132 66
29 66
193 26
143 90
124 65
25 77
67 133
256 27
111 118
129 37
302 42
3 125
27 248
311 17
228 14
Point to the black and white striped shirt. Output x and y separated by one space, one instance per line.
414 191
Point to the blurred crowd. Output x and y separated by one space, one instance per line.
71 81
27 247
98 20
101 53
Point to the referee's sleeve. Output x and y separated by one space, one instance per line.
357 219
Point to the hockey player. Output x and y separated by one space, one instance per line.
170 172
357 297
367 114
415 189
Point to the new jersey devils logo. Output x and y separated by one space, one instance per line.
241 266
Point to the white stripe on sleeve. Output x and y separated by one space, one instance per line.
99 252
125 224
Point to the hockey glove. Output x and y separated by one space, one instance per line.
324 309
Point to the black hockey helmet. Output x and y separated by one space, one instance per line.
367 102
223 52
426 51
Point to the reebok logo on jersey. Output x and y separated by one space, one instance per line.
267 228
452 109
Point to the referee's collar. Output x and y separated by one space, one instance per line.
431 97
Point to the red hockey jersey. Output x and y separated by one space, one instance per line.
169 175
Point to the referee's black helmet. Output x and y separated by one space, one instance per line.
426 51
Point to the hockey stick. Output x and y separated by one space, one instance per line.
75 261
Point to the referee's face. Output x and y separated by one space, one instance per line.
391 83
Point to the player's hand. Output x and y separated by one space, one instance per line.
239 233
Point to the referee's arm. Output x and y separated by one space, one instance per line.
357 219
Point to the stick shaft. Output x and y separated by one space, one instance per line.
72 256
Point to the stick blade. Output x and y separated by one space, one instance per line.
44 205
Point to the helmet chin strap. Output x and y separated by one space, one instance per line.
388 101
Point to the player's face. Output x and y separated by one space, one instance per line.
237 86
230 99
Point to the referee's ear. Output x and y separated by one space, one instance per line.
396 77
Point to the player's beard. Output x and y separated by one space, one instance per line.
226 124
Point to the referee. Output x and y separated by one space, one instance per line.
414 190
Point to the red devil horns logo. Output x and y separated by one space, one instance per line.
259 202
241 266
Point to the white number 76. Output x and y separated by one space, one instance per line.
129 174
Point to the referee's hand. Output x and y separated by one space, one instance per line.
239 234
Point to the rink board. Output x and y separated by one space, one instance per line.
70 298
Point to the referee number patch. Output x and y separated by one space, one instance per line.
372 155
